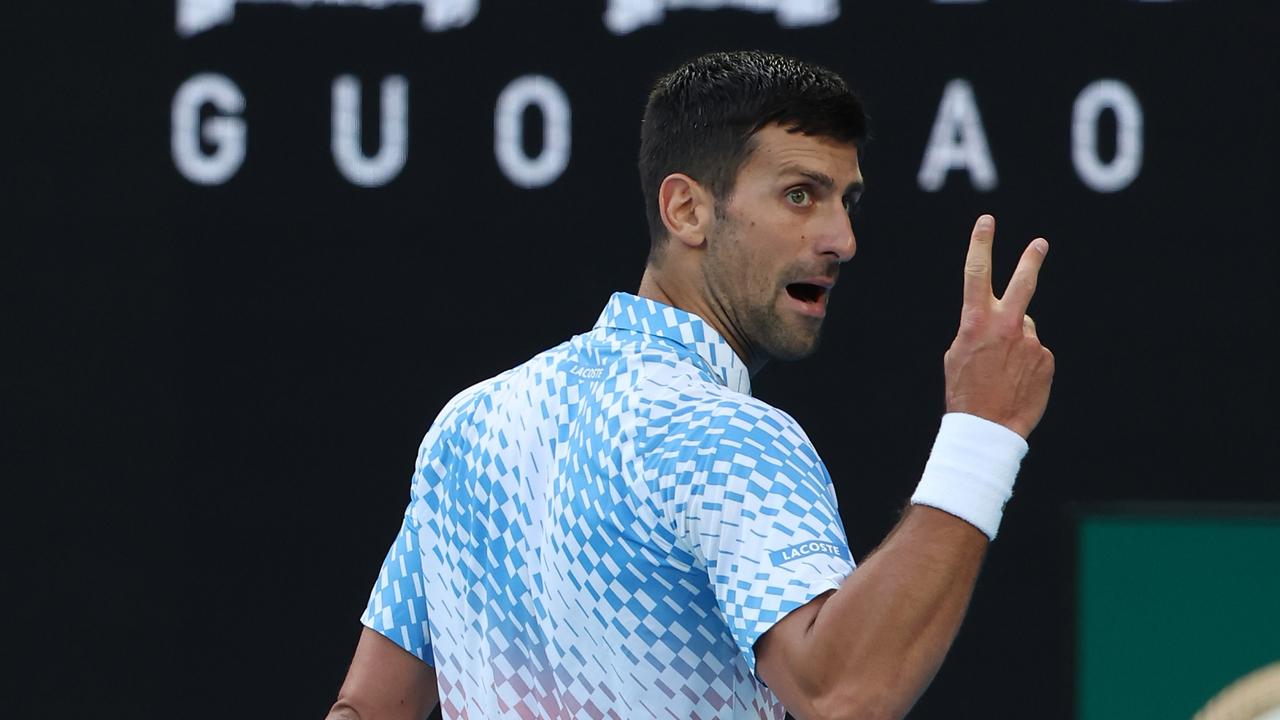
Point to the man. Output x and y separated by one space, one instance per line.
616 528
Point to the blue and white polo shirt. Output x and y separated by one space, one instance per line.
607 529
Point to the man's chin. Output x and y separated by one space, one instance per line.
795 347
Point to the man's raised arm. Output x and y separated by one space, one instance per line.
385 683
869 649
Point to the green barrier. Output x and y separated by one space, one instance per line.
1173 607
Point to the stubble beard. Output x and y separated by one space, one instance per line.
751 301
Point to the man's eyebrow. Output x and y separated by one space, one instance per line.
823 180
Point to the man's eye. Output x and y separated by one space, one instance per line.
798 196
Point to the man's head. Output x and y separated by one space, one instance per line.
749 165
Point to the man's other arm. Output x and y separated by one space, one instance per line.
385 683
869 649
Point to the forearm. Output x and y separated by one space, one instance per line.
378 704
342 711
877 642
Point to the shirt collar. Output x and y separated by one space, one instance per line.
630 312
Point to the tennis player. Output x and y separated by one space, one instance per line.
617 528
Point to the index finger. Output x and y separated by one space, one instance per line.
977 264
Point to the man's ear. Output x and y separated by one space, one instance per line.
687 208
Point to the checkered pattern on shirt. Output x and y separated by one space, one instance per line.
605 531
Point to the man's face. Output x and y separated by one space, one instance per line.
779 239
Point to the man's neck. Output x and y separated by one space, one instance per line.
659 289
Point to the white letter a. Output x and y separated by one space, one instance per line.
957 142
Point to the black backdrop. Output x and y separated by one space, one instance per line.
217 390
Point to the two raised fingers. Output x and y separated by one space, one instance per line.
977 270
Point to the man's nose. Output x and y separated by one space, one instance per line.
839 240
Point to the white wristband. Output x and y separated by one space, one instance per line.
971 470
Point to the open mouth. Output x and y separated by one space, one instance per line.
806 292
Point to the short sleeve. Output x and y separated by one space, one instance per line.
744 488
398 605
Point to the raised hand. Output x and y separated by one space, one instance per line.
996 367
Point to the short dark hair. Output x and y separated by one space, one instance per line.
701 117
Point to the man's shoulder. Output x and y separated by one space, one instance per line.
487 394
728 439
703 414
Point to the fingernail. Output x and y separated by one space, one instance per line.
1041 245
985 221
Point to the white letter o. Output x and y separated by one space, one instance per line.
508 131
1124 167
